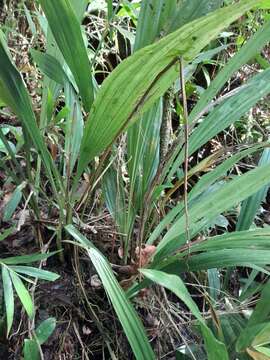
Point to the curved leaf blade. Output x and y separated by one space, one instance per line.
135 85
129 320
66 30
14 93
45 330
215 349
9 297
212 205
35 272
23 294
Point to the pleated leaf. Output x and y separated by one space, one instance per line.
66 29
134 86
50 66
160 17
205 210
217 259
31 350
225 114
45 330
249 50
253 239
206 181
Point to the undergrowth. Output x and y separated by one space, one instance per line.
134 172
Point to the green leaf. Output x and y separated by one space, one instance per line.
263 350
14 93
251 205
215 349
262 310
254 238
45 330
14 201
6 233
247 52
73 128
50 66
202 185
26 259
23 294
79 7
127 316
225 114
205 210
214 285
190 10
256 335
124 97
8 297
66 30
35 272
30 20
216 259
264 4
160 17
30 350
114 193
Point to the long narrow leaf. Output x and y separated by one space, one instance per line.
250 206
202 185
215 349
131 323
212 205
13 91
66 30
8 296
247 52
34 272
135 85
217 259
225 114
23 294
26 259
